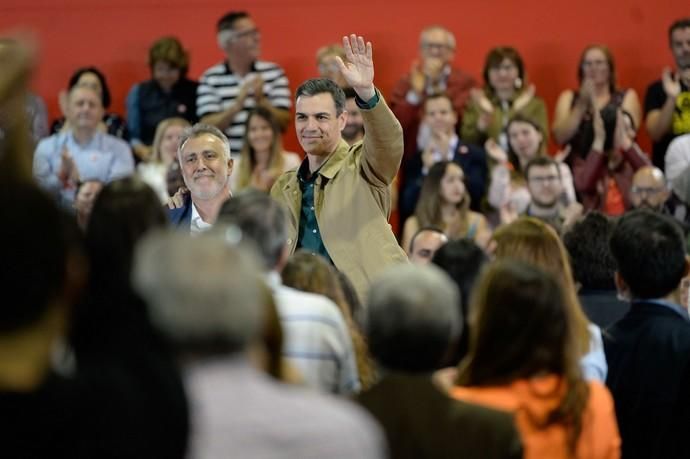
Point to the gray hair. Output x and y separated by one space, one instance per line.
205 295
449 35
316 86
412 318
200 129
261 220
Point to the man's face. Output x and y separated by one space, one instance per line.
544 185
205 169
648 189
435 43
439 115
245 40
354 125
317 124
84 108
425 246
680 47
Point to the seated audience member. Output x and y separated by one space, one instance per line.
163 155
82 152
603 177
91 77
445 203
262 158
431 73
462 260
169 93
523 358
677 170
574 115
505 94
648 350
412 320
593 266
120 357
424 244
206 165
526 141
546 197
665 104
83 202
229 90
327 64
353 131
312 273
651 191
531 240
316 338
206 295
38 406
444 145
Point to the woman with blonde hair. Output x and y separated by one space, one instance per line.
312 273
445 203
523 358
531 240
164 155
262 158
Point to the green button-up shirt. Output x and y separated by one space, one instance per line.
309 237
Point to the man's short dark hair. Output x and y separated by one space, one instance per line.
36 236
431 229
227 22
261 220
682 23
349 93
323 85
649 249
541 161
587 242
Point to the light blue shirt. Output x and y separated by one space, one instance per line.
104 158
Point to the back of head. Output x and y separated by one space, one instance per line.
262 222
34 257
412 318
312 273
520 326
123 212
649 249
203 293
587 242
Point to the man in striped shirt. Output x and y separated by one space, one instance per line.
229 90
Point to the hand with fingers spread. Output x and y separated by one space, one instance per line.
359 70
495 151
562 154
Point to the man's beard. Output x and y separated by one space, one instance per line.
647 205
352 131
545 204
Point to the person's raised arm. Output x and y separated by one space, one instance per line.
383 141
658 121
568 116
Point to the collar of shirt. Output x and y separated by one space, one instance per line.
678 309
198 224
94 144
442 83
303 172
450 153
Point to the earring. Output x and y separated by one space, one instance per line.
518 83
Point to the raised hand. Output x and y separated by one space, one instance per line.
359 70
495 151
670 82
622 140
479 98
562 154
524 98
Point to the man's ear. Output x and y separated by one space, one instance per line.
231 164
282 261
342 120
621 285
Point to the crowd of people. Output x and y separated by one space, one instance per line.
189 288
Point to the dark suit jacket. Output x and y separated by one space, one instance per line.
471 158
421 422
182 217
648 353
603 306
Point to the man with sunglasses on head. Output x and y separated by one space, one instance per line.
229 90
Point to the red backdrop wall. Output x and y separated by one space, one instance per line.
550 35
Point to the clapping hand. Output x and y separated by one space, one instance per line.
670 82
563 154
68 168
359 70
524 98
495 151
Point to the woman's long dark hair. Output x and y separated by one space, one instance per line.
520 328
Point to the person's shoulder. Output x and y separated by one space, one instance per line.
655 86
291 160
115 142
307 302
263 66
47 143
215 70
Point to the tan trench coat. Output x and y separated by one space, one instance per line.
353 200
